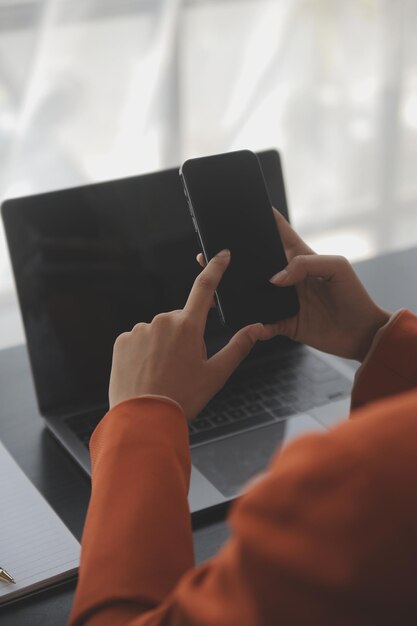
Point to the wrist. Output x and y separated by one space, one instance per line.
148 396
381 318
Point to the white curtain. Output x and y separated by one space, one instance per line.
99 89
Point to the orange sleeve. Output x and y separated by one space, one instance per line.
138 512
328 536
391 367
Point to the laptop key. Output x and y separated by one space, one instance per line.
283 411
272 403
217 407
254 408
329 392
202 424
220 419
229 429
237 414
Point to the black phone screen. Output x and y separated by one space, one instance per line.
229 203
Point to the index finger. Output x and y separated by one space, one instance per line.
293 243
201 295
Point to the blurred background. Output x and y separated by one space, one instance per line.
98 89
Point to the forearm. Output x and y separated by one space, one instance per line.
137 540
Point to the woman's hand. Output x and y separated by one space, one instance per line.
168 356
336 313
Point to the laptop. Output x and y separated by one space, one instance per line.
92 261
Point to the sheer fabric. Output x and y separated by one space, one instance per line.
98 89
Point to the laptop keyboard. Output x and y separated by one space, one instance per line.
272 391
277 388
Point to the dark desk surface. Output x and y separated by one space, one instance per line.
391 280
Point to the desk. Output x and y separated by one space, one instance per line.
390 279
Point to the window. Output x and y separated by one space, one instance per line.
107 88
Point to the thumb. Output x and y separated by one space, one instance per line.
224 362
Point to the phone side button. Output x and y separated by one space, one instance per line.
195 223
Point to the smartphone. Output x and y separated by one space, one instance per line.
230 208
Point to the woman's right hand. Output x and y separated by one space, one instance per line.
336 314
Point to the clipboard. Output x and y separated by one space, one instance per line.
36 547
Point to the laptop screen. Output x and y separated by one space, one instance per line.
92 261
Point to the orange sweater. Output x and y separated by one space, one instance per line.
327 537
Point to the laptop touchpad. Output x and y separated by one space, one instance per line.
229 463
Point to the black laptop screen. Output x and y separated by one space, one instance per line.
90 262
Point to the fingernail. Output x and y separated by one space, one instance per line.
223 253
255 331
279 278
